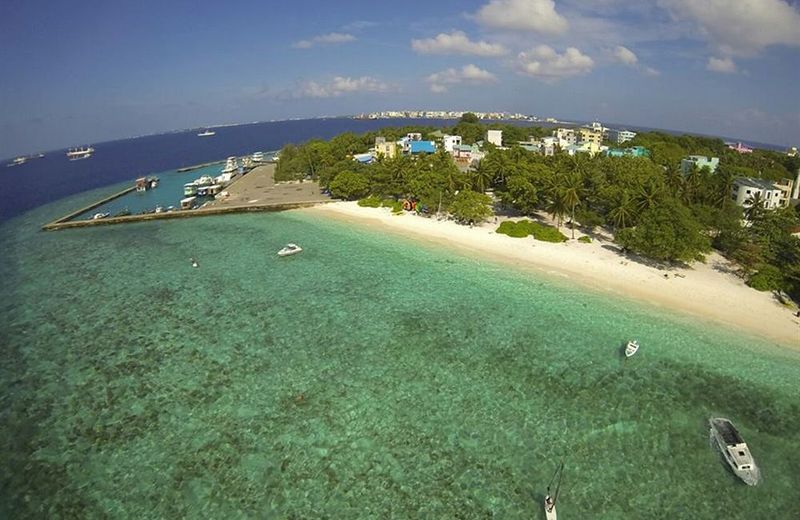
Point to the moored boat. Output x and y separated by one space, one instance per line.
98 216
631 348
734 450
18 161
550 500
290 249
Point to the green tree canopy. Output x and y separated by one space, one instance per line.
350 185
470 206
667 232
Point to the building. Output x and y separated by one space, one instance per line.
384 149
450 141
699 161
416 147
466 155
590 135
565 136
785 186
741 148
634 151
584 147
745 188
495 137
620 136
792 151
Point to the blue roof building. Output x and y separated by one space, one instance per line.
422 147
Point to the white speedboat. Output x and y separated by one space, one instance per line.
98 216
290 249
73 154
631 348
206 133
734 450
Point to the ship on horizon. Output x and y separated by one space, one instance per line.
84 152
206 133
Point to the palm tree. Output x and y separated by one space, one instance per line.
623 211
483 178
650 194
572 191
754 207
557 205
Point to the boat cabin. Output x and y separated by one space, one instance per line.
188 202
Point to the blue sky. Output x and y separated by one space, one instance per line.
81 72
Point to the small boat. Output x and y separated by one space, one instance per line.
734 450
550 500
98 216
631 348
194 262
18 161
206 133
290 249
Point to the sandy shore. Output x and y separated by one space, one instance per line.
707 291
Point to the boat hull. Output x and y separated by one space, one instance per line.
750 474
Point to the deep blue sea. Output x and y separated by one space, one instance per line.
53 177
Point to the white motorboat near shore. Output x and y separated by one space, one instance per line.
631 348
734 450
290 249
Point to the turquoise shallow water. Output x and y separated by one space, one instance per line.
368 377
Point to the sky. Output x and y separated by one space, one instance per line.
83 72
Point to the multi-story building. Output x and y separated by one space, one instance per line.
590 135
745 189
495 137
565 136
699 161
741 148
634 151
384 149
450 141
620 136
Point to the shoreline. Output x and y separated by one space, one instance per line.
703 292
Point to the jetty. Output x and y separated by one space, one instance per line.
255 191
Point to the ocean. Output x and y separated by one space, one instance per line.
371 376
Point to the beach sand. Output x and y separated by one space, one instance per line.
706 291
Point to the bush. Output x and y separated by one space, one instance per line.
389 203
768 278
524 228
585 240
370 202
349 185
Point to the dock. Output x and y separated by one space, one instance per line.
254 192
198 166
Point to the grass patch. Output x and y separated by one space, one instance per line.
585 240
524 228
370 202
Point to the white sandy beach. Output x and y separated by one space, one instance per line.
705 291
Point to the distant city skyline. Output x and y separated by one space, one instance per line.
109 71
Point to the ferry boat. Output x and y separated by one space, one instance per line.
74 154
734 450
206 133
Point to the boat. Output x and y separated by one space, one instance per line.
550 500
194 262
74 154
231 166
734 450
190 189
257 157
631 348
98 216
206 133
18 161
290 249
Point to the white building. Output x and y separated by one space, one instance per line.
565 137
620 136
450 141
745 188
495 137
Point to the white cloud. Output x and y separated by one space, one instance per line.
545 63
470 74
457 43
324 39
625 56
523 15
724 65
741 27
650 71
340 85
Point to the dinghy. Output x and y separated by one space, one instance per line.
631 348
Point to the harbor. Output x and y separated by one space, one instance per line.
201 191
